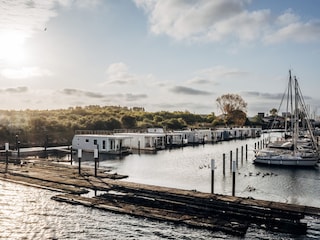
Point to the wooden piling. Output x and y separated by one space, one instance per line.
224 164
246 152
71 155
95 155
212 176
237 156
79 160
241 154
233 177
6 146
231 160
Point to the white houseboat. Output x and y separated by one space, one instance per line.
174 139
110 144
144 141
189 136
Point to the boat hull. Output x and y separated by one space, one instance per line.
306 162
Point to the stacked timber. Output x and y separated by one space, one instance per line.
216 212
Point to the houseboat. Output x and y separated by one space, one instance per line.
144 141
109 144
174 139
189 136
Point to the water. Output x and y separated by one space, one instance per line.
29 213
190 168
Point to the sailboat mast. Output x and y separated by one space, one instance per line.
296 115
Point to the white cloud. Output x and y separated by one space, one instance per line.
118 73
207 20
296 32
288 17
25 17
24 72
29 16
215 74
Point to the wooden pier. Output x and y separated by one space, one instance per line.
229 214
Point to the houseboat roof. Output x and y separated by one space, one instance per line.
143 134
104 136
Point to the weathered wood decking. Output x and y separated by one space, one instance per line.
217 212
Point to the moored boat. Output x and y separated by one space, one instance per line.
292 152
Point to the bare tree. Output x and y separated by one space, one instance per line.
233 107
228 103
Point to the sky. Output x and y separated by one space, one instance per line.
165 55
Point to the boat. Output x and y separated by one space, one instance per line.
294 151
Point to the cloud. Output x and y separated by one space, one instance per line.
296 32
216 74
134 97
221 71
29 16
206 20
14 90
269 96
24 72
188 91
118 73
79 93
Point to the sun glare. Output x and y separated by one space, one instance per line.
12 47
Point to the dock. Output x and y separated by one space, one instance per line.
109 192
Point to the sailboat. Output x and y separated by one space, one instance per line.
298 154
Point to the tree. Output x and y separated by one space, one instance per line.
232 105
128 121
237 117
273 112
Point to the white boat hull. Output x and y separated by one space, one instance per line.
292 161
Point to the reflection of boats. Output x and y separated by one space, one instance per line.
294 151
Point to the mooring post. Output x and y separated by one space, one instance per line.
212 176
19 150
237 155
241 154
71 155
79 159
224 163
6 146
230 159
46 142
246 152
233 177
95 155
255 145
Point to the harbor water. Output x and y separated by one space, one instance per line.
29 213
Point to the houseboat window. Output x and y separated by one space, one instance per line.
87 140
112 144
104 144
95 142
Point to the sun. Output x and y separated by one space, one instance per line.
12 47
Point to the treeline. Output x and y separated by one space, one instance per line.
56 127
